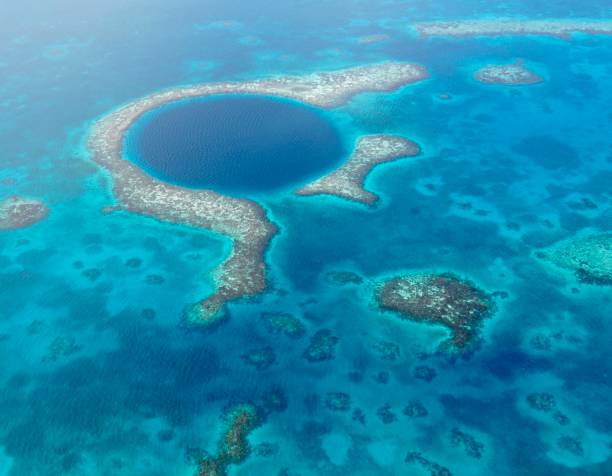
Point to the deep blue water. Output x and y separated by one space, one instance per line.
135 392
235 144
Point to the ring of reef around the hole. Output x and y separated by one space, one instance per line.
244 221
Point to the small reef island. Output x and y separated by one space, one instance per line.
588 257
514 26
19 212
242 220
441 299
348 180
514 74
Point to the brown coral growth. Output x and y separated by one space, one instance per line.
442 299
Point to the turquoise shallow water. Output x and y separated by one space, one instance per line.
99 374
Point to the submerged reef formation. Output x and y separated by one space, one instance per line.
432 467
443 299
283 323
415 410
374 38
571 445
19 212
546 403
344 277
62 346
386 415
471 446
542 402
274 400
348 180
338 401
387 350
322 346
243 221
513 26
233 447
425 373
589 257
514 74
260 358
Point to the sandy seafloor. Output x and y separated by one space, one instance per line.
136 396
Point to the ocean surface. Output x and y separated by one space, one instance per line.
100 375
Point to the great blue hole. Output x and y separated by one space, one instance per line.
235 144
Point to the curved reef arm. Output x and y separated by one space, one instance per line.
348 181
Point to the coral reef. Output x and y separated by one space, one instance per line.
359 416
434 468
513 26
589 257
344 277
514 74
194 455
571 445
386 415
261 358
423 372
233 447
542 402
387 350
550 341
443 299
243 221
381 377
415 410
274 400
19 212
348 180
36 326
374 38
472 447
546 403
338 401
91 273
283 323
154 279
165 435
61 347
133 263
322 346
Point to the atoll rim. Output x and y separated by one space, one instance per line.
244 221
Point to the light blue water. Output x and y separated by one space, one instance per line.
100 376
236 144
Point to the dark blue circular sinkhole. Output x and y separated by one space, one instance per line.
237 144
